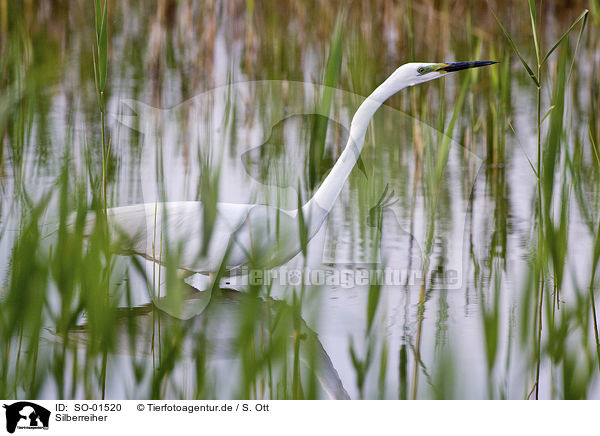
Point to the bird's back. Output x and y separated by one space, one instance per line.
180 229
261 235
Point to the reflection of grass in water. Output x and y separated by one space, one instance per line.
59 281
552 236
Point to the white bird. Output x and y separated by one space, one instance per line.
256 235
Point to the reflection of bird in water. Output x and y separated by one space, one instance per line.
211 236
398 248
284 157
235 329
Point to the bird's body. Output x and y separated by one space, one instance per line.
154 229
242 234
260 235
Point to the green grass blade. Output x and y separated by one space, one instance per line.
319 129
103 48
516 50
555 46
594 147
523 149
577 46
95 62
373 299
98 15
547 113
534 29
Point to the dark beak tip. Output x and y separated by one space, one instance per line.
458 66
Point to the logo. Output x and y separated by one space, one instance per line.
26 415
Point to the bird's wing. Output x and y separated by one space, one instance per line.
264 234
154 230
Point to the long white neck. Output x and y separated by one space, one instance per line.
331 187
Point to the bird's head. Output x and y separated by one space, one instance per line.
420 72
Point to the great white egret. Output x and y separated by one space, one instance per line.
259 235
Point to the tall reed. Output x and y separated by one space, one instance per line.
543 172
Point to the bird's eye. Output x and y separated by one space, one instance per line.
421 70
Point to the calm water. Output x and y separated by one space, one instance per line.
190 84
